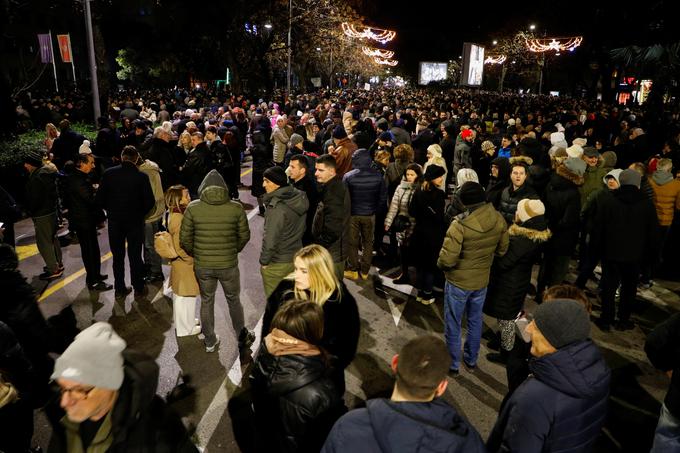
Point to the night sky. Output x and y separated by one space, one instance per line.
436 30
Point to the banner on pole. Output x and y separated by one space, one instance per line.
65 48
45 48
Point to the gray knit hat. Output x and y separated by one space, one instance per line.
94 358
575 165
562 322
295 139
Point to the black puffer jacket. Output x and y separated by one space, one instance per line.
563 210
366 186
511 197
498 183
141 421
511 273
427 207
41 192
198 164
295 402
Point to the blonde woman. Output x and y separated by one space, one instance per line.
183 148
51 134
182 278
434 157
314 279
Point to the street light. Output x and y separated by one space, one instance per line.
268 26
532 27
494 42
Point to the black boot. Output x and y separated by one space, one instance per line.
498 357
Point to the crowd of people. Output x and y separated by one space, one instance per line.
470 190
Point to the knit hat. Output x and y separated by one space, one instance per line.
466 174
94 358
559 127
609 158
615 173
589 151
630 177
528 209
562 322
85 148
471 193
580 141
34 158
466 133
575 151
277 175
295 139
488 145
435 150
511 122
433 172
339 132
575 165
386 136
557 138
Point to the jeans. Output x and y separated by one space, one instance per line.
207 282
456 302
361 229
613 274
89 251
119 233
667 435
47 241
152 260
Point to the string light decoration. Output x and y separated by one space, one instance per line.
376 34
556 44
495 59
371 52
385 61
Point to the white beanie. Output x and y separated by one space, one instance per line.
557 138
167 126
85 148
575 151
466 175
580 141
94 358
435 150
559 127
527 209
511 122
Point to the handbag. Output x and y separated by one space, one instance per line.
401 222
162 243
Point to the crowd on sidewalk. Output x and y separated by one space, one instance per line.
470 190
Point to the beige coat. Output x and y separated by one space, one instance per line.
182 278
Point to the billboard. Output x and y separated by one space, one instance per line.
473 65
431 71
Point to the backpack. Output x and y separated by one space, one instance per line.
162 243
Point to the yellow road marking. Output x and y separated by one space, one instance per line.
61 283
26 251
246 172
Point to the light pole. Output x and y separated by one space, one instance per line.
290 49
93 61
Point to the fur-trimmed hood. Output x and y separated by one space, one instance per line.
521 159
530 233
564 172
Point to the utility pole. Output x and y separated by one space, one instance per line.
93 61
290 49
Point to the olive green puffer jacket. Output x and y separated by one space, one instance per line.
214 229
471 242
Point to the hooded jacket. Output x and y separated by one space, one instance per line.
284 224
511 273
563 210
366 186
666 195
469 247
626 226
388 426
152 170
214 229
295 401
140 420
560 408
330 228
498 183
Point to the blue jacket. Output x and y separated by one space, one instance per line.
366 185
560 408
387 426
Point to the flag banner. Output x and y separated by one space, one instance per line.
45 48
65 48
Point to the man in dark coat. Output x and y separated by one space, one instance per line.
162 152
65 147
518 189
107 144
197 165
662 350
626 225
330 228
298 172
79 198
142 137
414 418
563 212
368 196
563 404
126 195
107 399
498 180
41 205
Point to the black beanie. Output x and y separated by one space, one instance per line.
562 322
339 132
276 175
471 193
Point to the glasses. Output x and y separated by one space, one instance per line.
76 393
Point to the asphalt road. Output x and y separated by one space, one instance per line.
390 317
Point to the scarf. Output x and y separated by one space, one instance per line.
280 343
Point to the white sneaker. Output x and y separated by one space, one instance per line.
213 347
427 301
